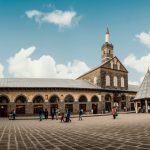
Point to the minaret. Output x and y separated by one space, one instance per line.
107 36
107 48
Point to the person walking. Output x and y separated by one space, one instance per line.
114 112
80 114
52 113
41 114
56 113
68 116
46 114
14 114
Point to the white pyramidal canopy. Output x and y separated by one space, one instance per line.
144 90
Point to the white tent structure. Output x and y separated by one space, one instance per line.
143 95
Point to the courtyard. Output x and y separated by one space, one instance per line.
128 131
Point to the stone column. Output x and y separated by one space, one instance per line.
76 107
136 107
100 107
11 106
88 106
146 106
62 106
103 105
29 108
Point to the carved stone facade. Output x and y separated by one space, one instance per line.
99 105
109 84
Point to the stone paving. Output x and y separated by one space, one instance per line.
127 132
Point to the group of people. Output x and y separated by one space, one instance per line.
43 114
64 116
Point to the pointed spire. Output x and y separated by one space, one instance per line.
107 36
107 31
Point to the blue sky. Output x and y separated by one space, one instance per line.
78 43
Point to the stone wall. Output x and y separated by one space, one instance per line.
112 73
91 75
29 106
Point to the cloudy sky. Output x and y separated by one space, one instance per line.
53 39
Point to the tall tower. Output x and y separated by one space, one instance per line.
107 48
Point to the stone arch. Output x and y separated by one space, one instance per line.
54 99
82 102
94 99
38 99
82 98
21 99
4 99
107 97
69 99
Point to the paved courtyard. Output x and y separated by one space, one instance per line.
127 132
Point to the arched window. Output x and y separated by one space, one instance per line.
115 81
118 66
107 80
94 99
82 99
4 99
108 98
111 64
21 99
69 99
122 81
38 99
95 80
54 99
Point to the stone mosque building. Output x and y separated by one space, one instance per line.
99 89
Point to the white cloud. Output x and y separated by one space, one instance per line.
1 71
22 65
144 38
139 64
57 17
134 82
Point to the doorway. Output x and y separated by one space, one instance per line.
37 108
107 106
132 107
69 107
82 106
123 105
53 107
95 108
3 110
20 109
